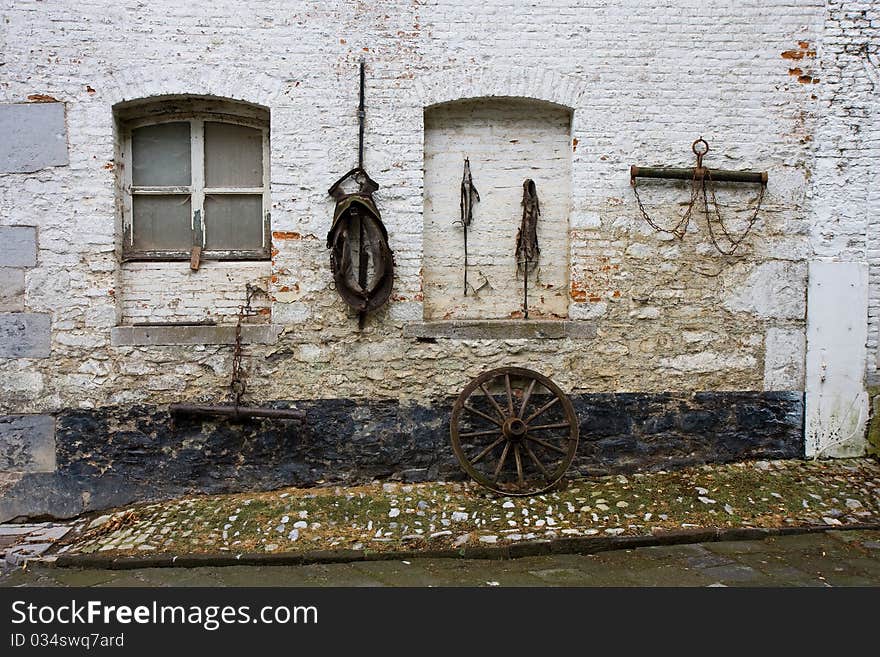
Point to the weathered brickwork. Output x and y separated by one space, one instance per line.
787 87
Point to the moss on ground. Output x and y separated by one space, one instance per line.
390 516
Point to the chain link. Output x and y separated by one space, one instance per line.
680 229
698 188
238 384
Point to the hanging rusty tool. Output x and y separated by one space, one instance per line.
469 196
527 251
363 258
369 287
238 380
702 181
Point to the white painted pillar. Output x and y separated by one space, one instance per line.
837 327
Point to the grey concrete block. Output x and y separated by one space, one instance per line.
27 443
34 136
123 336
11 289
501 329
18 246
24 335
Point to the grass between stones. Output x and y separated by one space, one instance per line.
435 516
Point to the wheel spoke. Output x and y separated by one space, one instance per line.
501 462
522 409
509 394
558 425
542 409
479 456
481 414
494 403
475 434
519 468
545 444
536 461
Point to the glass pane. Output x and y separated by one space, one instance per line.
233 221
160 154
233 156
162 222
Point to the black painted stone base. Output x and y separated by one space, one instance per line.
112 456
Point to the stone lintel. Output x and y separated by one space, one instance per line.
129 336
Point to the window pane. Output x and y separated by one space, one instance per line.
233 156
162 222
233 221
160 154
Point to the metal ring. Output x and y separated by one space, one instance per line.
694 147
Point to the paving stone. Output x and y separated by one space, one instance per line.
396 573
732 573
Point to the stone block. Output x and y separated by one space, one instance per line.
784 359
34 137
18 246
25 335
11 289
27 443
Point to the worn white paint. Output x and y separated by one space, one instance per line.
506 141
837 402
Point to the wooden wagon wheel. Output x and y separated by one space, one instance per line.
514 431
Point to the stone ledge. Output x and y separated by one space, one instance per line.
144 336
501 329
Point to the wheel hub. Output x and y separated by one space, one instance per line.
514 428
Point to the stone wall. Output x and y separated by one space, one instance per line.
116 455
640 81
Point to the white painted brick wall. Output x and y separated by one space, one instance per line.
169 292
643 80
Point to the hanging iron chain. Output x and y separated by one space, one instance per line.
680 229
734 242
701 180
238 383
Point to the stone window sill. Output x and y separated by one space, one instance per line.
141 336
501 329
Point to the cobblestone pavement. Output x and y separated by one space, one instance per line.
22 542
843 558
383 517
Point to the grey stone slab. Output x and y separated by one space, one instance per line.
18 530
124 336
501 329
25 335
27 444
49 534
34 137
11 289
18 246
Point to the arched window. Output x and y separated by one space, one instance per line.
194 180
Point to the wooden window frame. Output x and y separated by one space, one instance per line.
196 189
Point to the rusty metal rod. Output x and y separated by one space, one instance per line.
717 175
229 410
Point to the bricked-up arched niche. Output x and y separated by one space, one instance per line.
507 140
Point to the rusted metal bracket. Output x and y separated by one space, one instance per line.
237 412
700 147
718 175
703 182
195 258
